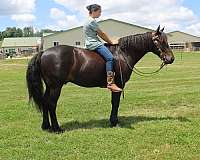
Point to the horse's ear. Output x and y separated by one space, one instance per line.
162 29
158 29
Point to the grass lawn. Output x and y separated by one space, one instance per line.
159 117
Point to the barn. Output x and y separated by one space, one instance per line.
75 37
179 41
20 45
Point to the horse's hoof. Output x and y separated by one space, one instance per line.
56 130
45 127
115 125
112 125
113 122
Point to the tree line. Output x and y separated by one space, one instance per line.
25 32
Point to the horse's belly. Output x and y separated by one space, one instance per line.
90 71
90 78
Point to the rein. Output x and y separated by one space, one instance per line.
134 69
146 74
137 71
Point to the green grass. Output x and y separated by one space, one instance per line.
159 117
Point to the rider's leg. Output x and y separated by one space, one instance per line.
107 55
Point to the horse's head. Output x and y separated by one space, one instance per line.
161 46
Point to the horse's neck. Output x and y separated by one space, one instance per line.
137 49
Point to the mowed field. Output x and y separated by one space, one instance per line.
159 117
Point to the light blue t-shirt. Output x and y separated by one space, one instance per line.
90 31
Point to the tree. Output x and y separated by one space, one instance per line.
28 32
4 34
38 34
19 32
25 32
47 31
10 31
1 36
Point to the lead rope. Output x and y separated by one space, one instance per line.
135 70
121 75
138 72
145 74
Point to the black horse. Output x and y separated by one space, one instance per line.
58 65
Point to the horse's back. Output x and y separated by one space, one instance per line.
71 64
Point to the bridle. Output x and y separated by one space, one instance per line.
156 40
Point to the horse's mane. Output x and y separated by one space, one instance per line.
141 41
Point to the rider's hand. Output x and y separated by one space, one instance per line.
115 41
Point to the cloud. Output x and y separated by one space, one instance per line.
62 20
169 13
20 11
71 4
9 7
27 18
193 29
56 13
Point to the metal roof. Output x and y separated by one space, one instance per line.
102 21
46 34
175 36
182 37
21 42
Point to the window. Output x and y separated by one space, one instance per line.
78 43
55 43
11 50
178 46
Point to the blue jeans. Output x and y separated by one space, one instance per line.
107 55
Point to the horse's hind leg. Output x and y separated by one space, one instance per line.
45 123
54 94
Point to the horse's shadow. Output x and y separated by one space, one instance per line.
124 122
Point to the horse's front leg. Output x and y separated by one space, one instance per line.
115 106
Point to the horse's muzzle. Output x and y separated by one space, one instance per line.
168 59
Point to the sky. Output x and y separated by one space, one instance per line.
182 15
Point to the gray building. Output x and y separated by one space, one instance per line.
75 37
20 45
179 41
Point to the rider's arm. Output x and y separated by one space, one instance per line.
104 36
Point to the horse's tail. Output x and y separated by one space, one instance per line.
34 81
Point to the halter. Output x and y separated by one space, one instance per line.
156 40
134 69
